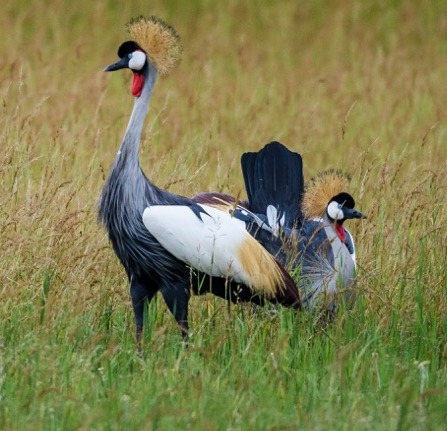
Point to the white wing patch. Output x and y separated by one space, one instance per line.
211 245
273 219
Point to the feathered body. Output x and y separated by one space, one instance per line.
320 261
139 216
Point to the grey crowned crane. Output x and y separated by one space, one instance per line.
166 241
304 226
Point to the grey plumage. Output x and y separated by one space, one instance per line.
126 194
322 261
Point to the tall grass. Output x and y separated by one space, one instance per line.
358 86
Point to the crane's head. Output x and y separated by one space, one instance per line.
131 57
326 194
154 44
342 207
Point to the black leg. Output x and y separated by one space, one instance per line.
140 295
176 296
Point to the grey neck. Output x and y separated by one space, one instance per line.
129 149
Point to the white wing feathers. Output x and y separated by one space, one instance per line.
216 244
273 219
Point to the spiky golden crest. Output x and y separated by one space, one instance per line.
159 40
321 189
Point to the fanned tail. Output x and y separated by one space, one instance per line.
273 176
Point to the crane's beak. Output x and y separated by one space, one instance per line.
121 64
352 213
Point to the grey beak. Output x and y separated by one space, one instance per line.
352 213
121 64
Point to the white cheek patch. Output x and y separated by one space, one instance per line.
334 211
137 61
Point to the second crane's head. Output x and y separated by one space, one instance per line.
155 47
326 197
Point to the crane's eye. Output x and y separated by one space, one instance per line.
129 56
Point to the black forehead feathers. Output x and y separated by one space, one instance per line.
345 199
127 47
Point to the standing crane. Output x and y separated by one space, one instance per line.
165 241
303 227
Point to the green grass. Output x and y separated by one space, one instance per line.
357 85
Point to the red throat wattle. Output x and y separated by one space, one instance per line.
137 84
340 232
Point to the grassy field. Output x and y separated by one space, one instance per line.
357 85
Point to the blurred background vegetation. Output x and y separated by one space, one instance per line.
354 85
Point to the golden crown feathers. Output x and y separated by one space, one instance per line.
321 189
159 40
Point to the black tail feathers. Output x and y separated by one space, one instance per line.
274 176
